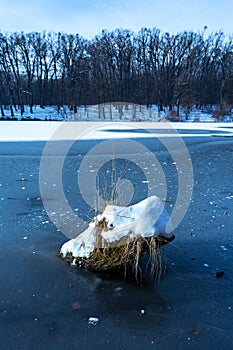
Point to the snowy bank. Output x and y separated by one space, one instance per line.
56 131
114 111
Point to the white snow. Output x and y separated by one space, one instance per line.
55 130
117 111
82 245
146 218
93 321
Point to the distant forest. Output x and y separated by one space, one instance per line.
148 67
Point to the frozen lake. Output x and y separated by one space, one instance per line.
46 304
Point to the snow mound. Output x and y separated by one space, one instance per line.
82 245
146 218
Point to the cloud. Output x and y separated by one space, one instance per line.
89 17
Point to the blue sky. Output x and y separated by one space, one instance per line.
89 17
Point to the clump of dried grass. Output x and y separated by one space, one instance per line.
123 256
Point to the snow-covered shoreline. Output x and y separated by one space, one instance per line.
53 130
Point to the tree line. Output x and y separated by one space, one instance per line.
148 67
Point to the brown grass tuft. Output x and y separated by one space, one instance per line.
124 255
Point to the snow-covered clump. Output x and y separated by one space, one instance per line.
146 218
82 245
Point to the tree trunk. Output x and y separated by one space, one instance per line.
2 111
